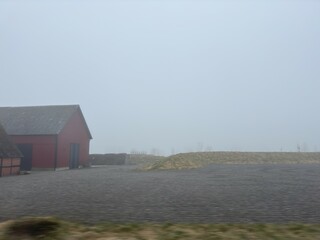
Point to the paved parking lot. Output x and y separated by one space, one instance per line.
217 193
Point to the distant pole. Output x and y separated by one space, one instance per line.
298 148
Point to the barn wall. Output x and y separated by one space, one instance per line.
9 166
76 132
43 150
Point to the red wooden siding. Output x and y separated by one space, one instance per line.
43 149
73 132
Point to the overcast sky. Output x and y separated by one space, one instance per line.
174 76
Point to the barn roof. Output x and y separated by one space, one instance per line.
7 148
37 120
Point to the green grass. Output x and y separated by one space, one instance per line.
51 228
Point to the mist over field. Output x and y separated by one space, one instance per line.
165 77
168 119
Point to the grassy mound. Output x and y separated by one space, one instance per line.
200 159
178 161
55 229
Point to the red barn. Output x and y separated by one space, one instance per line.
49 137
10 156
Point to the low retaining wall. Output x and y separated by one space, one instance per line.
108 159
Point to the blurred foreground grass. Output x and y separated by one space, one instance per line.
52 228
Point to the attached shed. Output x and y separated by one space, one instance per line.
10 156
49 137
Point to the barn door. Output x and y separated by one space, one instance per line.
26 161
74 155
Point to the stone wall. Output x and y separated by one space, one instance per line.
108 159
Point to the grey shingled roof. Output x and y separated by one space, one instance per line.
36 120
7 148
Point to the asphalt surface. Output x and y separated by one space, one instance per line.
215 194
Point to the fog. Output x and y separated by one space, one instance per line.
170 76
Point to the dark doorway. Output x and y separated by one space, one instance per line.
26 161
74 155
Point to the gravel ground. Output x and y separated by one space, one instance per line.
218 193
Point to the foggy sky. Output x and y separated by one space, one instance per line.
175 75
